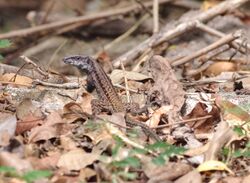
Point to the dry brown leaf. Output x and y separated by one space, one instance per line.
223 135
85 102
219 67
234 114
77 159
67 143
17 79
86 173
99 134
29 116
28 123
48 130
8 124
118 75
232 111
204 125
231 179
246 179
169 171
13 160
193 176
167 85
72 111
156 117
27 107
197 151
48 162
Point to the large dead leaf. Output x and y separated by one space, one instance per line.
85 102
7 127
13 160
16 79
219 67
223 135
167 88
29 116
156 116
234 114
77 159
45 163
170 171
213 165
48 130
118 75
193 176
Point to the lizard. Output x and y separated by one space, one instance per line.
109 100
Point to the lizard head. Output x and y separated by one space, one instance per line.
80 61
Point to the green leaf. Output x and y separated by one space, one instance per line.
246 153
225 151
118 144
167 149
173 150
158 145
7 169
159 160
138 151
127 162
248 144
237 154
4 43
239 130
31 176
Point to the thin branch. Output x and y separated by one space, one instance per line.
156 16
28 61
224 40
80 21
167 34
54 85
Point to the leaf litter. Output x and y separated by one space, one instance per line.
194 90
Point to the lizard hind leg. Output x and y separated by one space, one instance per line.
135 109
99 106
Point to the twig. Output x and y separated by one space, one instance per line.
55 53
183 121
166 34
142 59
63 86
47 12
224 40
28 61
156 16
126 83
235 44
80 21
214 53
25 72
129 89
126 34
147 10
193 72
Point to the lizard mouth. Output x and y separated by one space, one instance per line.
80 61
68 60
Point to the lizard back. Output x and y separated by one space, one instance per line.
98 79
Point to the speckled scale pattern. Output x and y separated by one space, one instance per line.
99 79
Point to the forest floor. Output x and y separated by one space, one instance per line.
179 69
